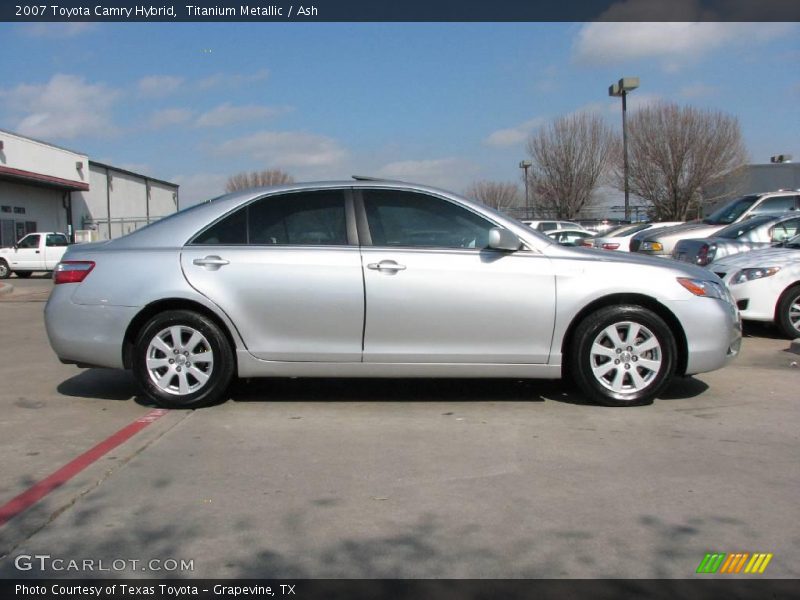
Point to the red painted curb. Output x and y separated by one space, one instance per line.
40 489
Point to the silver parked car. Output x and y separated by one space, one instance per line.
662 242
761 231
378 279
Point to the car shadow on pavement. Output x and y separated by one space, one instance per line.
395 390
763 330
101 384
116 384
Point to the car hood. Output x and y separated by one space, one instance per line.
768 257
626 258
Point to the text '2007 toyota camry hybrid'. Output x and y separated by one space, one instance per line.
379 279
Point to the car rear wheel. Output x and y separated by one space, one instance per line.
183 360
623 356
5 272
788 314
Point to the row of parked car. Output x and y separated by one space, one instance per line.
751 243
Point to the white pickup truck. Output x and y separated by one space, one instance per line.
35 252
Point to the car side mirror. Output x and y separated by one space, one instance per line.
503 239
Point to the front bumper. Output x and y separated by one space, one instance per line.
759 297
713 335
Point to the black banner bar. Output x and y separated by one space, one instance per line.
398 10
400 589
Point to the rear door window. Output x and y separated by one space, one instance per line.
315 218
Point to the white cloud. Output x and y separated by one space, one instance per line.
674 43
65 107
227 114
56 30
198 187
513 135
286 149
449 173
232 80
155 86
169 117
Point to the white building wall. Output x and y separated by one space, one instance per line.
43 206
163 200
37 157
90 208
128 199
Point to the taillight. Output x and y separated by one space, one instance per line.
702 255
72 271
609 246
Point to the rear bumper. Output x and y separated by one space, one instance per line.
86 334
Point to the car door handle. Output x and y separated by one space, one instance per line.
211 262
386 265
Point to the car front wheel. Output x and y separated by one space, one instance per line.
183 360
623 355
5 272
788 314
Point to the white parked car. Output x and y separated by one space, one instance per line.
766 284
35 252
620 238
571 237
545 226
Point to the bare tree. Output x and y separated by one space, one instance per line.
253 179
676 155
499 195
569 156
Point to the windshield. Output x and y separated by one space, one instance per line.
730 212
792 243
737 230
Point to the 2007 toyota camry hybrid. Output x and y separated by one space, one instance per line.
379 279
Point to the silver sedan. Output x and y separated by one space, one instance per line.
761 231
378 279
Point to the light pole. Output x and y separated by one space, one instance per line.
621 89
525 165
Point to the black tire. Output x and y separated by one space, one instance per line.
606 371
787 315
23 274
5 272
177 383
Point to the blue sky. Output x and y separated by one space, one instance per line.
438 103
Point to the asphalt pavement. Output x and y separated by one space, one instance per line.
392 478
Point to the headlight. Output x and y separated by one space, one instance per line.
706 288
651 246
751 274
